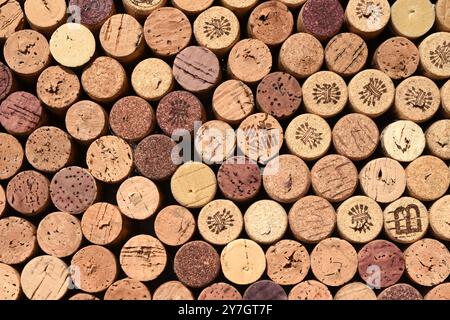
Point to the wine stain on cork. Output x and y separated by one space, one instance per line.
18 242
11 156
10 283
174 225
310 290
92 16
265 290
12 19
7 81
220 291
233 101
400 291
127 289
172 290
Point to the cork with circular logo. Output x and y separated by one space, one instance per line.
92 13
434 60
10 283
412 18
440 292
84 297
45 16
12 19
220 291
239 7
440 219
367 18
215 141
265 290
8 83
11 156
152 79
355 291
438 139
174 225
2 201
445 94
140 9
442 15
18 242
172 290
192 7
400 291
310 290
127 289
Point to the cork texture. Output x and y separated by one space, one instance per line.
321 18
265 290
10 283
192 7
7 83
45 17
432 52
400 291
310 290
438 139
439 219
355 291
127 289
92 14
215 141
11 156
86 121
368 19
12 19
440 292
442 15
412 19
220 291
152 79
175 225
18 242
140 9
172 290
233 101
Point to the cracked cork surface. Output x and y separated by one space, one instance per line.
45 16
12 18
233 101
174 225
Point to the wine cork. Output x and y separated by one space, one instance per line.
45 17
193 185
287 262
58 88
439 218
249 61
403 140
233 101
265 290
383 180
438 139
2 201
72 45
380 264
334 177
355 291
94 269
197 264
412 18
220 222
11 156
445 93
355 136
286 178
110 159
127 289
401 291
140 9
92 14
132 119
84 297
86 121
138 198
243 261
301 55
427 178
346 54
192 7
28 193
398 57
7 83
440 292
10 283
143 258
167 31
371 92
152 79
427 262
265 221
45 278
433 54
334 262
442 15
220 291
18 241
367 18
174 225
59 234
12 19
405 220
172 290
217 29
154 159
239 7
104 80
325 94
312 219
310 290
279 94
215 141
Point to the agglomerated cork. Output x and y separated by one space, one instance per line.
445 94
265 290
83 297
434 56
10 283
127 289
2 201
440 219
440 292
12 18
412 18
220 291
174 225
215 141
18 242
11 156
140 9
172 290
239 7
310 290
442 16
7 81
92 13
367 18
192 7
355 291
400 291
45 17
438 139
152 79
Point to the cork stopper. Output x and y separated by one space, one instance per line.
412 18
433 58
310 290
110 159
346 54
172 290
438 139
45 17
152 79
143 258
192 7
10 280
45 278
2 201
243 261
167 31
312 219
174 225
439 218
140 9
265 290
400 291
440 292
445 94
12 19
92 14
287 262
138 198
334 262
293 4
239 7
301 55
7 81
11 156
442 17
215 141
127 289
250 61
220 222
18 241
59 234
84 297
368 19
220 291
197 264
355 291
405 220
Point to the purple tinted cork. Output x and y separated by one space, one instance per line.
6 81
265 290
401 291
321 18
92 13
220 291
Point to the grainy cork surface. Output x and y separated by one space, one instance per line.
11 156
174 225
84 297
439 218
442 15
127 289
45 17
172 290
438 139
310 290
12 19
152 79
321 18
18 242
440 292
239 7
192 7
233 101
412 18
368 19
400 291
433 57
10 283
355 291
93 14
220 291
2 201
140 9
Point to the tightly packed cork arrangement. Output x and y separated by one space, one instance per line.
225 150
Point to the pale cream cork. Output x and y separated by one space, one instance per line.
310 290
152 79
443 15
172 290
445 95
174 225
367 18
192 7
434 53
11 156
440 219
45 16
438 139
215 141
355 291
239 7
10 283
140 9
412 18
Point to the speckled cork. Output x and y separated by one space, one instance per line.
265 290
127 289
172 290
440 292
367 18
310 290
10 283
412 18
312 219
138 198
192 7
427 262
334 262
45 16
440 219
11 156
174 225
92 13
197 264
152 79
59 234
293 3
445 94
18 242
167 31
438 139
442 15
220 291
143 258
355 291
84 297
243 261
401 291
45 278
8 83
239 7
12 18
2 201
140 9
288 262
215 141
433 52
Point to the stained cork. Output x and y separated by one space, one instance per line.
174 225
439 218
412 18
215 141
2 201
140 9
84 297
12 19
220 291
442 15
445 94
45 17
92 14
239 7
127 289
192 7
438 139
366 18
310 290
265 290
434 62
172 290
7 81
401 291
11 156
440 292
18 242
355 291
10 283
152 79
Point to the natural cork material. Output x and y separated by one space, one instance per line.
12 19
400 291
127 289
174 225
11 156
368 19
355 291
7 81
140 9
10 283
433 57
215 141
92 14
152 79
45 16
265 290
18 242
412 18
310 290
239 7
192 7
2 201
438 139
440 292
439 218
172 290
84 297
220 291
442 15
445 94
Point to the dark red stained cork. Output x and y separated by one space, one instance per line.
401 291
6 81
322 18
220 291
265 290
93 13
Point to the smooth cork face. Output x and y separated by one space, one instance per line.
265 290
10 283
220 291
445 94
443 15
400 291
86 121
84 297
321 18
127 289
367 18
412 18
239 7
92 13
440 219
7 81
11 156
152 79
44 16
215 141
192 7
12 19
310 290
434 56
18 242
355 291
174 225
172 290
438 139
440 292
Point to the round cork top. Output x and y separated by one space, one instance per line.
243 261
398 57
142 8
215 141
197 264
127 289
287 262
400 291
405 220
265 290
138 198
10 283
383 180
321 18
92 13
367 18
174 225
355 291
301 55
438 139
220 222
172 290
109 159
83 297
434 57
11 156
2 201
72 45
346 54
45 278
442 15
239 7
59 234
427 178
310 290
334 261
132 118
152 79
380 264
7 81
312 219
28 193
167 31
18 241
94 269
45 16
412 18
250 60
86 121
143 258
220 291
445 94
192 7
440 292
440 219
12 19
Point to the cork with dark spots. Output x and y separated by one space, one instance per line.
174 225
321 18
11 156
6 81
127 289
310 290
18 241
220 291
265 290
9 283
93 13
401 291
